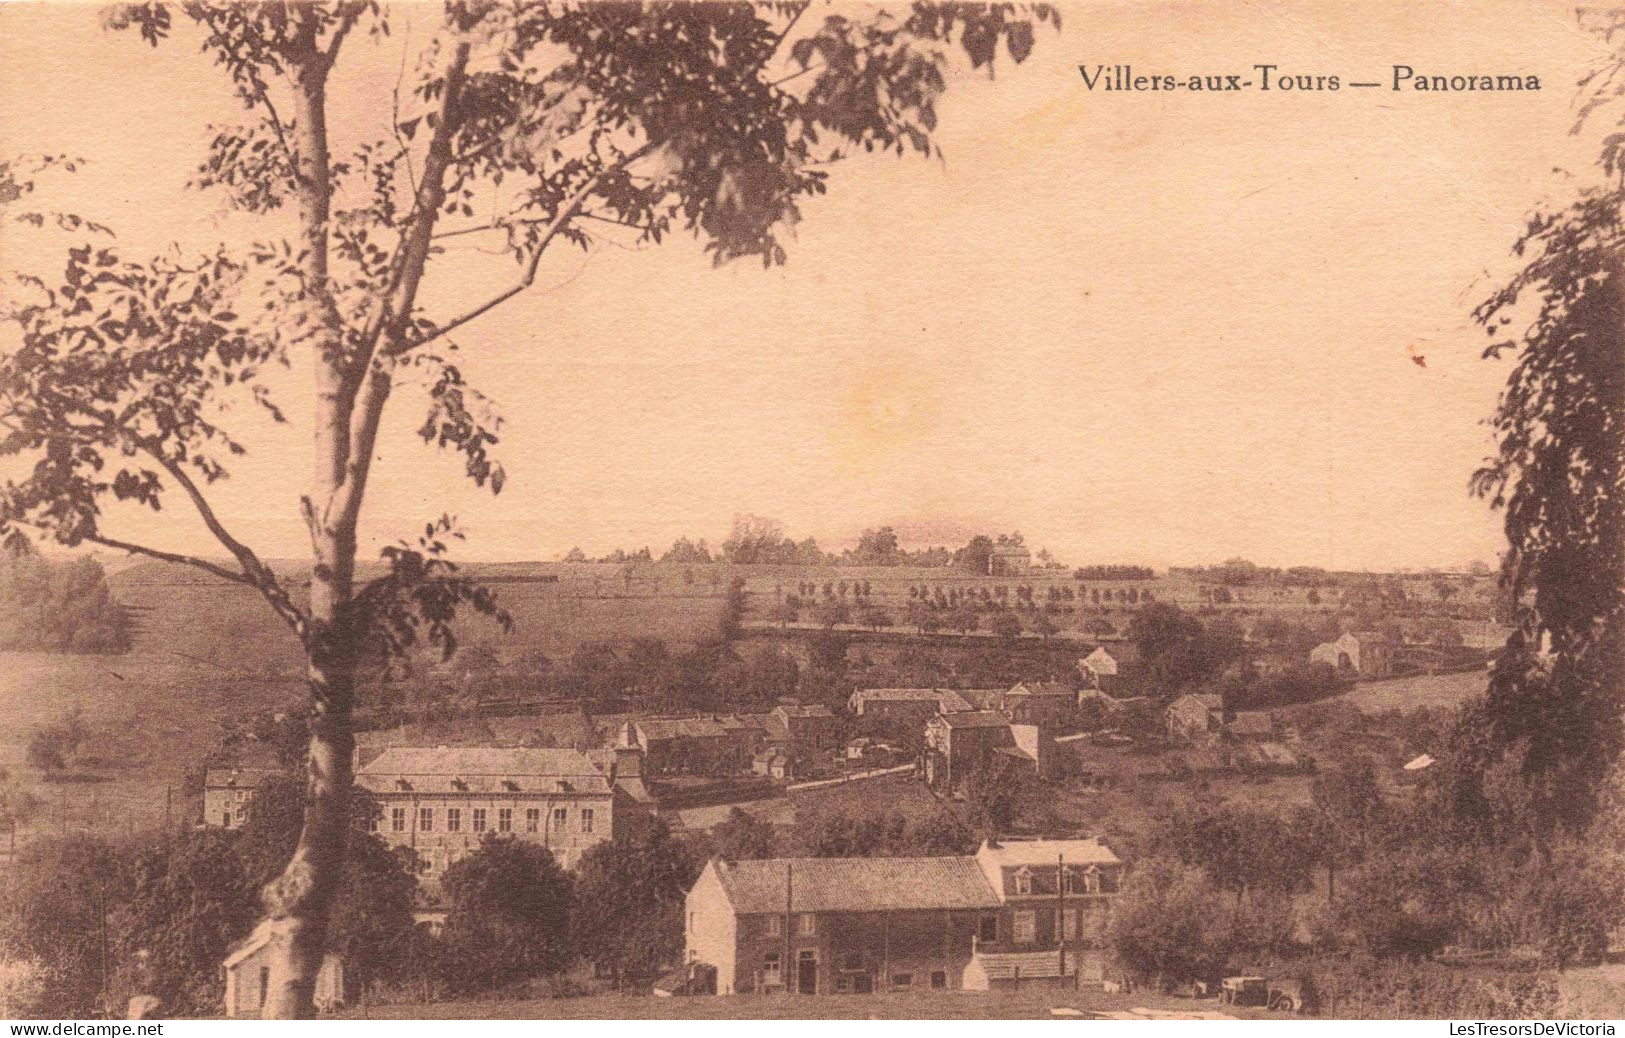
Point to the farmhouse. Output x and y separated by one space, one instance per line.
227 793
958 744
1045 703
1194 718
908 704
810 729
1098 664
860 925
690 745
247 972
1367 654
1009 560
441 802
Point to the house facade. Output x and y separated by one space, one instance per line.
441 802
860 925
228 792
1048 704
1194 717
1367 654
247 973
690 745
905 704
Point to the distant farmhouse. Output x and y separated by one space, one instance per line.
1009 560
228 792
906 704
441 802
1097 665
960 744
1195 718
1366 653
1016 911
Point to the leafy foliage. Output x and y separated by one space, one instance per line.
65 606
509 917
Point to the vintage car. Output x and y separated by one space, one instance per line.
1244 991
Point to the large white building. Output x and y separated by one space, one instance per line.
442 801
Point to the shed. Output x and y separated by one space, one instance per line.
248 975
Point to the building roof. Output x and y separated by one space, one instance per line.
946 699
789 710
482 769
1041 688
975 719
1206 699
1251 724
1010 853
771 727
855 884
238 778
1100 661
982 698
657 729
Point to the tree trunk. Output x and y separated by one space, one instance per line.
298 901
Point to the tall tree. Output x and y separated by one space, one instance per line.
555 122
1557 692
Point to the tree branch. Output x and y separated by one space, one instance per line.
168 556
255 573
556 224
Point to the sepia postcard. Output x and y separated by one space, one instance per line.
803 509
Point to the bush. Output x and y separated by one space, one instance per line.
509 918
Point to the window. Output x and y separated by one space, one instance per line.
1024 927
454 819
807 926
479 819
1024 880
372 823
586 819
902 981
939 979
775 926
1068 924
225 820
561 817
990 928
265 984
1091 881
504 819
425 819
533 819
397 819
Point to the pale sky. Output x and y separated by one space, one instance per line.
1139 328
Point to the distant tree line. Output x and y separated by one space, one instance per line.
59 606
758 541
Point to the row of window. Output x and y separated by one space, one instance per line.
1023 925
1085 882
772 973
478 820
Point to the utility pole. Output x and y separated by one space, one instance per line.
789 923
1060 913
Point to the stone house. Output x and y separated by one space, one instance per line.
1366 654
441 802
228 792
1195 717
861 925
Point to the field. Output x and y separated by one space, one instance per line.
1421 690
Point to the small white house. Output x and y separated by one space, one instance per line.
1099 664
248 977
